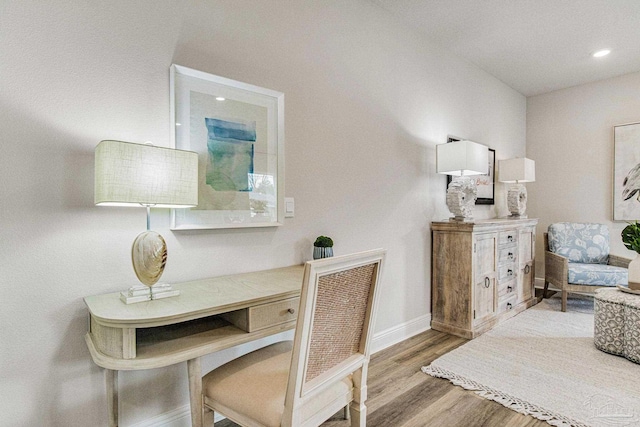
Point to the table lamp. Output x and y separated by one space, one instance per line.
517 171
462 159
143 175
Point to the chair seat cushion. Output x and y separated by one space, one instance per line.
597 274
255 385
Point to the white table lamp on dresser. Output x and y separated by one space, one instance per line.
143 175
461 159
517 171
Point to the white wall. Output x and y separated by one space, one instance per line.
367 100
570 136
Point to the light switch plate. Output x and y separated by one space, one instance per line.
289 207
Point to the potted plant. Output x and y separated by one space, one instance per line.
631 239
323 247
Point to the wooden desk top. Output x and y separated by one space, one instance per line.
159 333
198 299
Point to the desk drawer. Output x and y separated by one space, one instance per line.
262 316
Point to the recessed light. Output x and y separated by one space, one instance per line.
601 53
178 124
219 98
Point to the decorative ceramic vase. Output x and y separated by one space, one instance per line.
634 273
322 252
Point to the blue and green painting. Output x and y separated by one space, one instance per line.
230 145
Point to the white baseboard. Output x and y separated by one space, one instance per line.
399 333
181 417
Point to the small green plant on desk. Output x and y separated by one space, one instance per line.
323 247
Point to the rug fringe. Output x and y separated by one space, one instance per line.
515 404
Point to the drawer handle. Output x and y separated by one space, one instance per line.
509 288
509 306
509 272
510 255
291 311
527 269
487 282
510 238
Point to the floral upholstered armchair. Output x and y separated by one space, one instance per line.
577 259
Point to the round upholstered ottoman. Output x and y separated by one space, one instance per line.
617 323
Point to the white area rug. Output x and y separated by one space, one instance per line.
543 363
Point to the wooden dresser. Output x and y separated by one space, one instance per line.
482 273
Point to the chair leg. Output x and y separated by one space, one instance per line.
358 414
546 288
357 408
347 413
564 300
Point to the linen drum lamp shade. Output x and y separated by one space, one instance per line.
461 159
128 174
517 170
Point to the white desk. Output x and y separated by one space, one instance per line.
209 315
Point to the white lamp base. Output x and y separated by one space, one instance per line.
143 293
517 201
461 197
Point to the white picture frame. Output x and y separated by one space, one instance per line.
626 165
237 129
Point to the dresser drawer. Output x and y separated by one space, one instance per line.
262 316
508 237
507 272
508 254
506 289
507 303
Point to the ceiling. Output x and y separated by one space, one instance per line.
534 46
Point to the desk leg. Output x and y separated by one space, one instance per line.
194 369
111 378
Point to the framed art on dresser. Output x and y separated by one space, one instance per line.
237 129
485 184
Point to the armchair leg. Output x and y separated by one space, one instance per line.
546 288
564 300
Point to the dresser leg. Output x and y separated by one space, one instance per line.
111 378
194 369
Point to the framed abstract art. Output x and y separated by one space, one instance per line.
237 129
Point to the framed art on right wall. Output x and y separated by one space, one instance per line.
626 171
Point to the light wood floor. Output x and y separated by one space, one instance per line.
400 395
